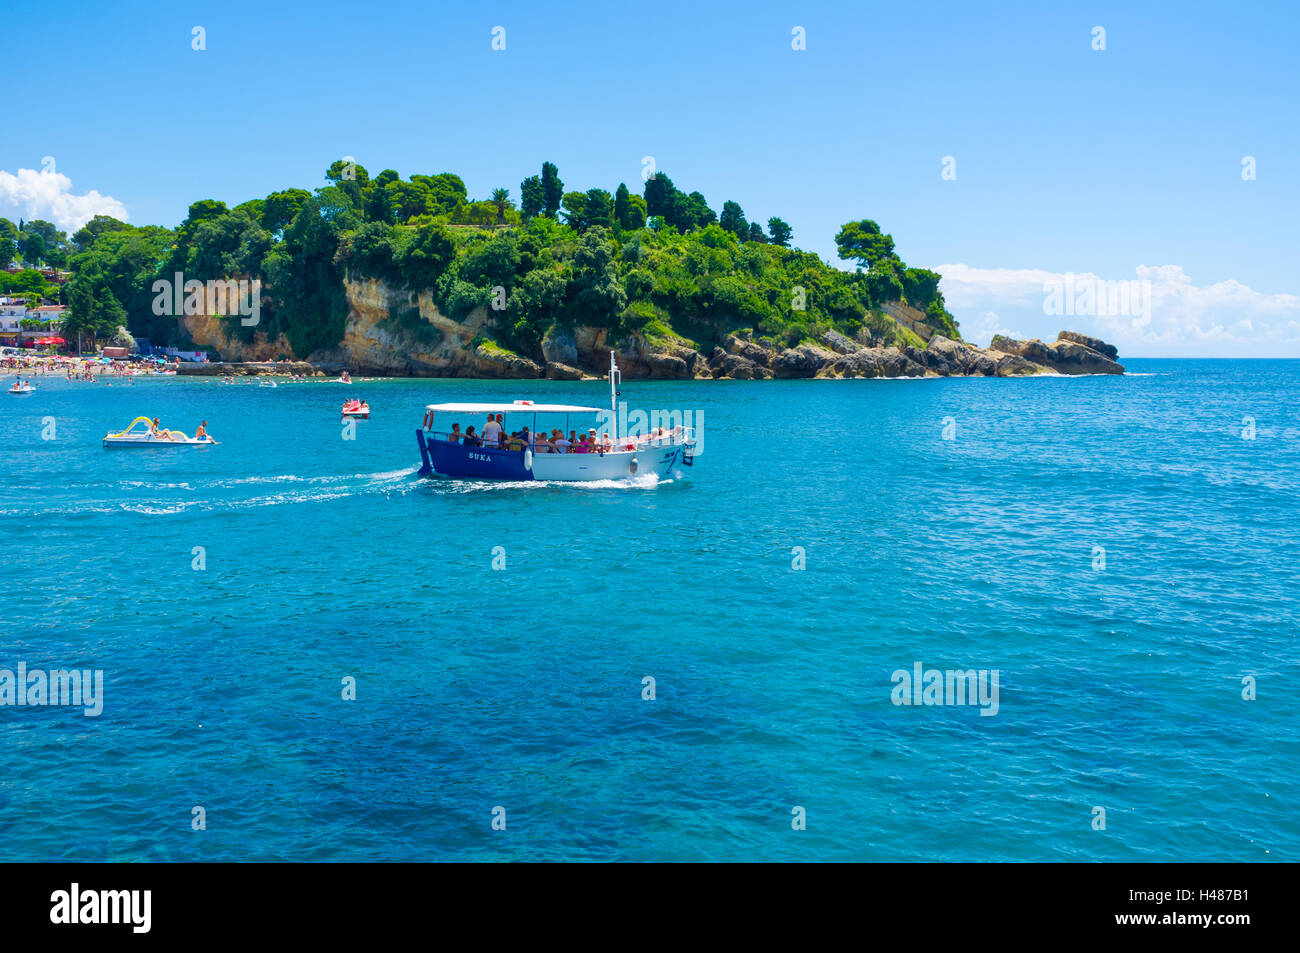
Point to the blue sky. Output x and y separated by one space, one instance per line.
1067 159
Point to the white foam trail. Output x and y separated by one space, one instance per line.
645 481
318 489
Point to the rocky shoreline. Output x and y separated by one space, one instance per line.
396 332
835 356
840 357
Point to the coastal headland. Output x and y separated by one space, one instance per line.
583 353
410 277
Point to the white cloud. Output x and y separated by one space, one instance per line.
1225 319
985 326
48 195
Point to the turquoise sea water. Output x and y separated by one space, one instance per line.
522 688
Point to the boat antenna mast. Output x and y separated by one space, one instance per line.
615 381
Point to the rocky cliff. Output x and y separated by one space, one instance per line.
838 357
393 331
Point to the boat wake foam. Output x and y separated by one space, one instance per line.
161 499
646 481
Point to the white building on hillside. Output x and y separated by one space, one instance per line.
12 311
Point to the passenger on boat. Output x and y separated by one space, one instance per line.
491 430
514 442
559 441
455 435
160 434
605 445
573 439
471 438
202 432
544 444
582 446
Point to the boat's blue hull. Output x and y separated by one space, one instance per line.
470 463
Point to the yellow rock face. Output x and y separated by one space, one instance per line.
209 331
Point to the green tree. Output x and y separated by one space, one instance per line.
552 189
492 263
532 308
341 204
501 199
281 208
596 295
690 211
622 205
200 211
756 233
733 220
229 245
50 235
410 199
447 191
369 252
921 286
532 197
93 309
659 194
600 208
629 209
780 231
864 243
426 257
883 282
309 303
476 213
253 208
341 171
33 249
574 206
379 204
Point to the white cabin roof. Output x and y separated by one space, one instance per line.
511 408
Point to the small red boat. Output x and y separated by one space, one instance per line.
356 408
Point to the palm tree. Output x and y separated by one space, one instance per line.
501 199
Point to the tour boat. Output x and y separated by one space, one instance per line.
145 437
628 456
356 408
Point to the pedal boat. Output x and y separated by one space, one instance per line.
356 408
139 435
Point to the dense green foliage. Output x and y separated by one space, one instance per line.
37 244
663 264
